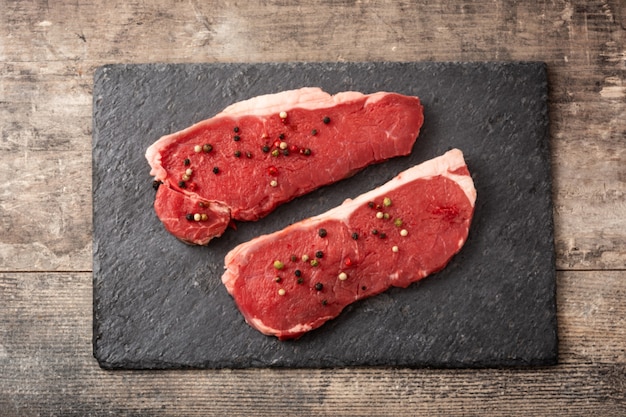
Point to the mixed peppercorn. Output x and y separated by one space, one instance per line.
280 147
383 222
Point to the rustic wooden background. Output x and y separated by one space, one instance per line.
48 53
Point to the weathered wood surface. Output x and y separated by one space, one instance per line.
47 366
48 53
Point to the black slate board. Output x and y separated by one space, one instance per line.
159 303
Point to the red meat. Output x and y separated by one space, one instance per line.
260 153
294 280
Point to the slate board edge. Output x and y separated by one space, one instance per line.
540 362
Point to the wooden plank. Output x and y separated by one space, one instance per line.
589 183
47 224
45 163
219 30
48 369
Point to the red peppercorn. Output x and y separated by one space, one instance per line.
293 148
272 170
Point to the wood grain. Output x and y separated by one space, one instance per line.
48 53
45 355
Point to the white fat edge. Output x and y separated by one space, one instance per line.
229 277
308 98
153 155
298 328
260 326
441 165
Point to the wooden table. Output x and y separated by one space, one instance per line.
48 54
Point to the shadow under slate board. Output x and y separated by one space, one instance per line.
159 303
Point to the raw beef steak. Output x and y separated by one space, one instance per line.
260 153
296 279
